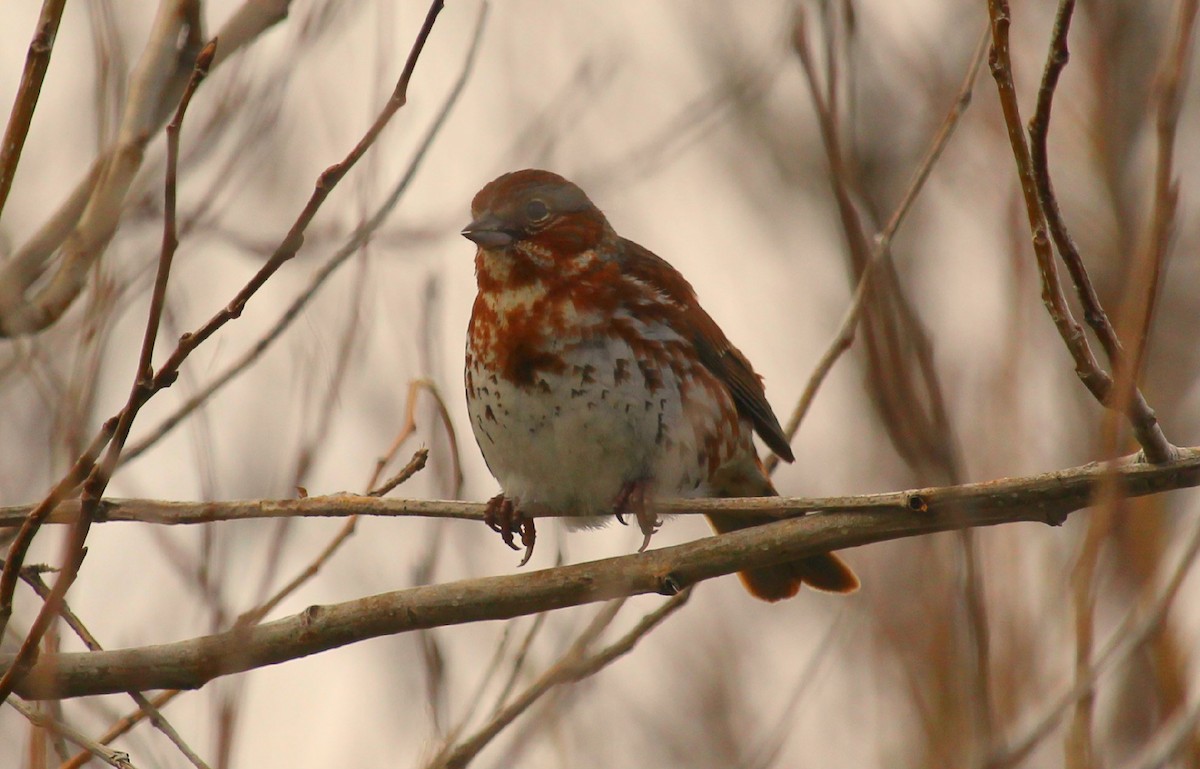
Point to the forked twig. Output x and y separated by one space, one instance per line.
409 427
147 111
101 471
357 239
881 249
1037 192
574 665
148 385
175 40
113 758
34 580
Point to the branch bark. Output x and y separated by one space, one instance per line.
189 664
1056 494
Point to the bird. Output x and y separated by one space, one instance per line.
596 383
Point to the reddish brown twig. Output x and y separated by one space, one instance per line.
357 239
1046 222
147 385
575 665
37 61
1134 631
34 580
881 249
100 472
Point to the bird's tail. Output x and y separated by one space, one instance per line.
774 583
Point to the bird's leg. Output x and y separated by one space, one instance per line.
631 499
502 516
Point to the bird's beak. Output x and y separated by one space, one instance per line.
488 232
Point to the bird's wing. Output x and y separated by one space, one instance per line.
715 350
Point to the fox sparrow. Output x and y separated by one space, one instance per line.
595 380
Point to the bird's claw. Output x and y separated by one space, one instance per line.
502 516
632 499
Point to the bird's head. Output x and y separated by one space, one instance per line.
537 213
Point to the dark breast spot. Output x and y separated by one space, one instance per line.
524 361
652 376
621 371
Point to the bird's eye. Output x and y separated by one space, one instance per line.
537 211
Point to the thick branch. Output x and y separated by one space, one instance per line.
863 520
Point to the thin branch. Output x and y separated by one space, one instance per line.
881 249
1169 741
245 25
140 392
167 373
1172 79
905 388
1097 381
34 580
1046 497
37 61
1039 129
574 665
192 663
1141 416
114 758
410 427
121 727
356 241
1134 631
174 43
414 466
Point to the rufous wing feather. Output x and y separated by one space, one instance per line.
714 349
824 572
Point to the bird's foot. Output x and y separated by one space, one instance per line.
502 515
632 500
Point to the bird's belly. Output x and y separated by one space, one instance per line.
570 440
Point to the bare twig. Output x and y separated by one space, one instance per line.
1169 741
1172 78
312 569
1133 632
122 727
100 473
37 61
1046 497
189 664
575 665
881 249
155 715
167 373
1133 403
409 427
1038 192
414 466
147 111
357 239
174 43
109 756
904 384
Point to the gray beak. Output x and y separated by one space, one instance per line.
488 232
